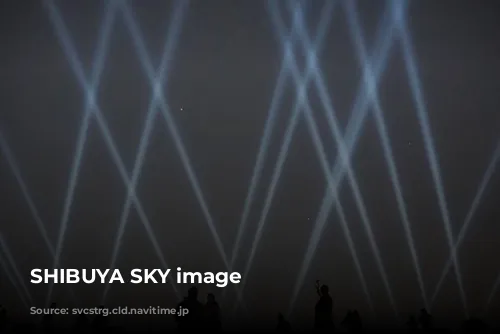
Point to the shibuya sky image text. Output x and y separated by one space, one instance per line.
136 276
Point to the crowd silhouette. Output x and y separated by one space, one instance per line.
206 317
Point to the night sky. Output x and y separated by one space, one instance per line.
219 84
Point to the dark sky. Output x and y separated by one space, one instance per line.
220 84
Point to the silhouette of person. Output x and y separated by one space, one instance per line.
191 321
346 322
100 321
283 325
212 314
352 322
412 324
323 315
425 320
48 320
3 318
82 323
356 322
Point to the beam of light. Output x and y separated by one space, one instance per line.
302 102
468 218
345 158
416 88
277 96
266 138
31 205
10 259
322 29
352 134
172 37
13 281
4 147
344 225
492 294
76 66
90 90
357 36
172 128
